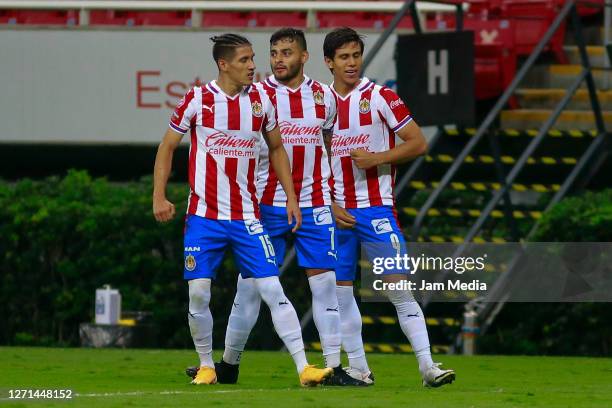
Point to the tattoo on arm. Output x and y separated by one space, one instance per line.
327 139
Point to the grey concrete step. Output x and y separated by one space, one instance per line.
593 35
541 98
596 53
568 120
562 76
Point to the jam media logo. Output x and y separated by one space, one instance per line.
190 262
257 109
322 216
318 97
382 226
364 106
254 227
220 139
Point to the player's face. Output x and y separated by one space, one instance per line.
346 64
287 59
241 68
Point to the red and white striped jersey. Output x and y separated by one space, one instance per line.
368 118
225 136
302 114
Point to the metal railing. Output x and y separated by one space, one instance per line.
198 7
586 167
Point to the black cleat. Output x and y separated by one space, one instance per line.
226 373
192 371
341 378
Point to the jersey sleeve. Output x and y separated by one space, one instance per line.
330 110
185 111
393 109
270 118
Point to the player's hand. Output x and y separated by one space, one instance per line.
344 219
364 159
163 210
293 212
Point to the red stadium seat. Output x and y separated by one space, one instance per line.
592 8
163 18
40 17
359 20
531 19
139 18
267 19
494 69
495 58
489 8
112 17
228 19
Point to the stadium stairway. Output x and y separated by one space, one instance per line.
462 201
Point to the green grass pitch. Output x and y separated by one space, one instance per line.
155 378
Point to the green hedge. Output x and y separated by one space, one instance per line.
61 238
560 328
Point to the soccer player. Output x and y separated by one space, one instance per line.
363 158
227 119
306 111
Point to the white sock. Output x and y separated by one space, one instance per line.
200 320
412 322
350 326
284 317
326 316
243 317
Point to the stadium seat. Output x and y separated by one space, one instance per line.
595 6
268 19
494 69
228 19
531 19
163 18
487 8
359 20
140 18
40 17
495 59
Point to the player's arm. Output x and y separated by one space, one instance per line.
280 163
414 146
180 122
397 116
163 210
344 219
327 140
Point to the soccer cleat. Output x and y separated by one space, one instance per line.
341 378
312 376
367 376
205 375
435 377
226 373
192 371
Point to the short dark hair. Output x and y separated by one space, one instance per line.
338 38
225 45
292 34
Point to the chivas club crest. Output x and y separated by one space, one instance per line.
364 106
190 262
318 97
257 109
